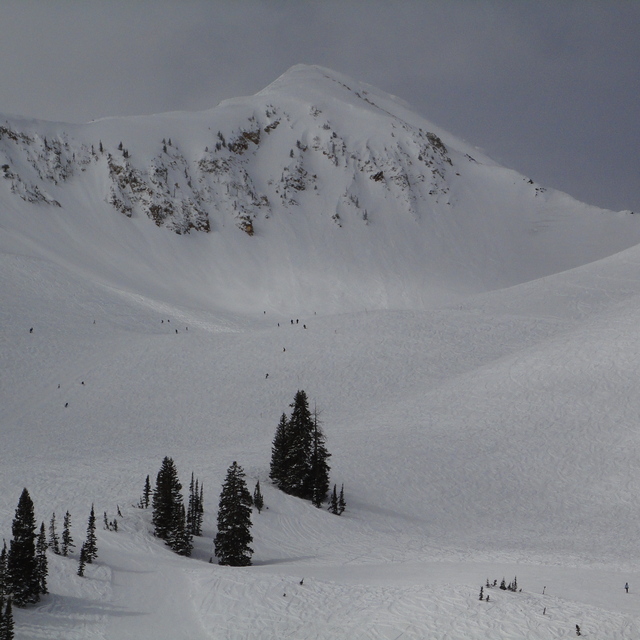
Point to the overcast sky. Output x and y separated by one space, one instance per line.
549 88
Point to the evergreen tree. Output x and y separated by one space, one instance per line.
195 509
146 493
234 521
82 562
299 455
91 544
258 500
167 501
54 540
41 559
279 451
181 539
299 481
67 540
4 587
342 505
199 510
6 625
192 508
21 560
319 466
333 502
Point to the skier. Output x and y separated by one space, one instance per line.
626 587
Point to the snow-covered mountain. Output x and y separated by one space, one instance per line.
470 339
315 178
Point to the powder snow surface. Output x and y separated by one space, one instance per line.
478 436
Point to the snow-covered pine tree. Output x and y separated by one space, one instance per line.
21 560
279 454
91 543
167 501
234 521
54 539
67 540
342 505
42 565
258 500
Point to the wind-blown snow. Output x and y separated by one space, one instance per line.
478 398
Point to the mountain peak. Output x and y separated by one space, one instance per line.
332 181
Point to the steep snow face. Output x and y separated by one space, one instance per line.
316 179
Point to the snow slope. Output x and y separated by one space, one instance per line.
478 435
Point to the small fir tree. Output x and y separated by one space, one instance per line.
194 509
319 466
200 510
279 454
4 587
22 569
258 500
181 540
82 562
54 539
67 540
7 624
146 493
41 559
342 505
234 521
91 543
167 500
333 501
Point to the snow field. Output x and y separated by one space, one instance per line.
543 486
477 436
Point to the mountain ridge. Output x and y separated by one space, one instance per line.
326 175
